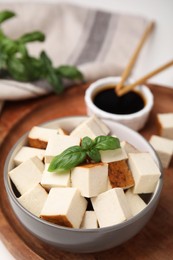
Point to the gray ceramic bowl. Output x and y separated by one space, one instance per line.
91 240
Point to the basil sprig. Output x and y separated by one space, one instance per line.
16 63
89 149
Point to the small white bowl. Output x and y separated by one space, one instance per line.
136 120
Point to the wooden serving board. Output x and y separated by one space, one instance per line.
153 242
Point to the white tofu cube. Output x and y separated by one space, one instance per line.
90 179
135 202
57 144
165 121
33 200
53 179
27 174
129 148
163 148
61 131
26 153
38 136
91 127
65 207
113 155
89 220
145 172
111 207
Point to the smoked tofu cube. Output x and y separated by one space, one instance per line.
89 220
120 175
33 200
91 127
65 207
111 207
26 153
165 122
145 172
135 202
53 179
38 136
163 148
113 155
57 144
27 174
90 179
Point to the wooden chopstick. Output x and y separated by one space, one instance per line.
131 63
128 88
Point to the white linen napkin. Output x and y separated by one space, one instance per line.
99 43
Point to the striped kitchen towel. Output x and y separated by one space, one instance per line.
100 43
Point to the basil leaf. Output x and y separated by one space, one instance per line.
68 159
106 143
52 76
4 15
87 143
69 72
94 154
17 69
31 37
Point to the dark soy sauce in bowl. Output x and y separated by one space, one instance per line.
108 101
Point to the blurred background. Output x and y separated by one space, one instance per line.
158 49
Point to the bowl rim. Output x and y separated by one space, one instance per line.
113 80
155 196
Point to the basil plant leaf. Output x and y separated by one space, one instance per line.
69 72
68 159
5 15
31 37
87 143
106 143
94 154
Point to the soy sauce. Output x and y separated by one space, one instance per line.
107 100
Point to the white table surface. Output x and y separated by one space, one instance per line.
157 51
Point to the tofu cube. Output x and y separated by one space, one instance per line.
26 153
89 220
91 127
135 202
65 207
163 148
90 179
53 179
111 207
120 175
38 136
145 172
33 200
57 144
129 148
62 131
113 155
27 174
165 121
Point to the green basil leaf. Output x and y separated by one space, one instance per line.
70 72
44 57
106 143
87 143
31 37
67 160
94 154
51 75
4 15
17 69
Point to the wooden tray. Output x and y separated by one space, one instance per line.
153 242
